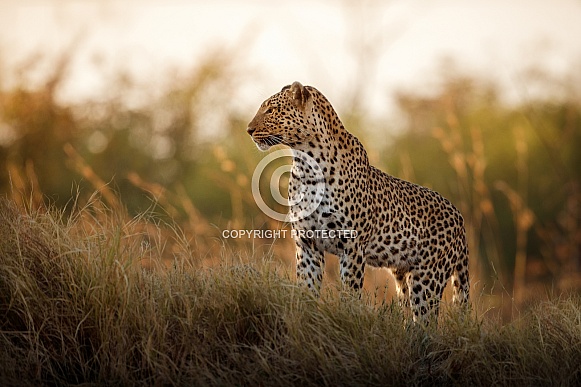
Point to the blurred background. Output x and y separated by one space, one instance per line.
145 104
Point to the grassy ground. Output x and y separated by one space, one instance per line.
76 306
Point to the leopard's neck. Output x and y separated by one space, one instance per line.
335 150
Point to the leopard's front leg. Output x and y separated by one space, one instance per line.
310 264
352 263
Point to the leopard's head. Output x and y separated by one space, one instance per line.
283 118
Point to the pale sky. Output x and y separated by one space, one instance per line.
332 45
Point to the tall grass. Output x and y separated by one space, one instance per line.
77 306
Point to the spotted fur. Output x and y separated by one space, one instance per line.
414 232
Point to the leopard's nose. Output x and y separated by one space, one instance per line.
250 130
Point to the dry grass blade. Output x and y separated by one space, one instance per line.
77 308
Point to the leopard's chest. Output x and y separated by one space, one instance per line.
331 224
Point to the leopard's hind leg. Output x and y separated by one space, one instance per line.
460 277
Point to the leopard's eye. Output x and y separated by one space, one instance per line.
268 111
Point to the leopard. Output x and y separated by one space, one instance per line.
412 231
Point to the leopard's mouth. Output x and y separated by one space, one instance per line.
264 143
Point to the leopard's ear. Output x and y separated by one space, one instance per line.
300 94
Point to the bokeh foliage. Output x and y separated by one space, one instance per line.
513 170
